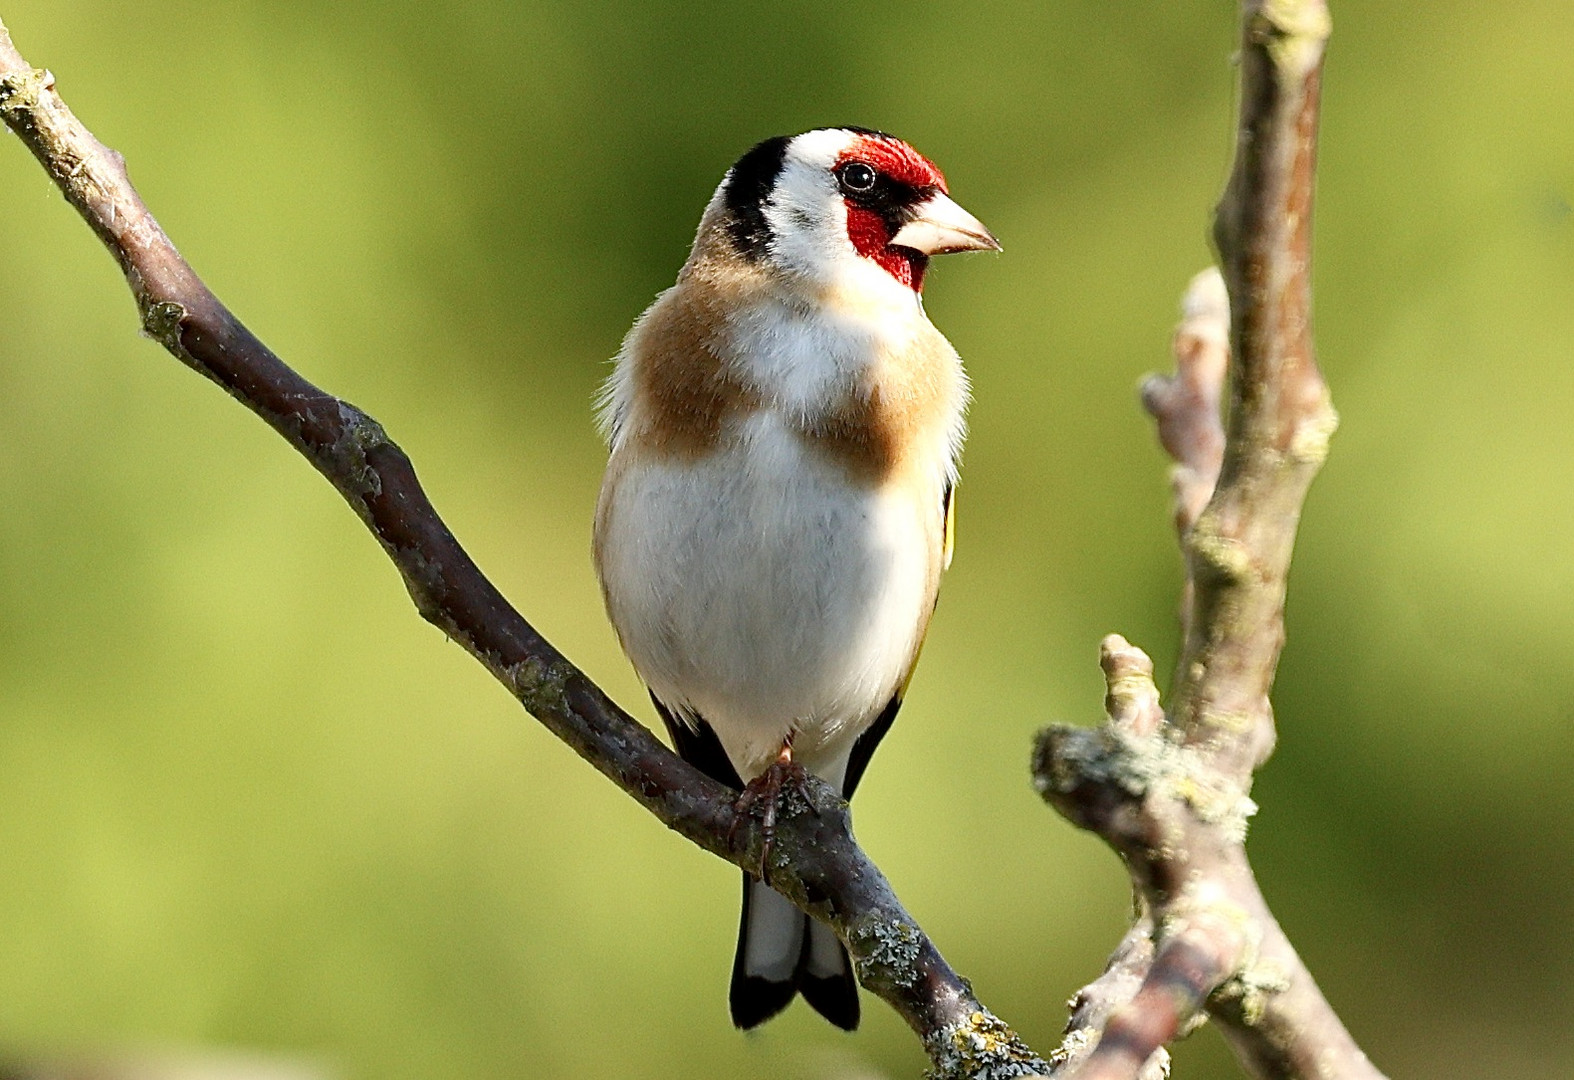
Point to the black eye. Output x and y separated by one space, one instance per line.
857 177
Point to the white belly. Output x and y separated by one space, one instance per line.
761 590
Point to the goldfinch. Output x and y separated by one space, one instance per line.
784 426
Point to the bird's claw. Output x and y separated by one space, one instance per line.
765 792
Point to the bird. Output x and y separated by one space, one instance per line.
784 426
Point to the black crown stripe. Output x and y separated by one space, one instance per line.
749 184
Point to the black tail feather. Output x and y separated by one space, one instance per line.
754 1000
836 997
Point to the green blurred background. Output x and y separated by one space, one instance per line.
249 800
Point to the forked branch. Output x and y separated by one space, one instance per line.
1168 789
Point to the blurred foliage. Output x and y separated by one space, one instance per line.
247 798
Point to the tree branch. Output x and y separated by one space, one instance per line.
813 857
1095 1006
1170 791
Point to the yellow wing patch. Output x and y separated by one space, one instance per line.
950 526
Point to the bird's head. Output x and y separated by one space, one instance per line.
844 207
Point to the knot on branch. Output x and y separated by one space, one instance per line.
981 1047
20 92
1293 31
535 681
161 321
1310 439
1217 559
359 436
1244 998
1129 778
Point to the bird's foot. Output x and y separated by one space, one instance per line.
763 795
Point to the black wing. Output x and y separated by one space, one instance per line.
863 749
699 746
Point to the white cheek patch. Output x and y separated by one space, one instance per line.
807 215
808 220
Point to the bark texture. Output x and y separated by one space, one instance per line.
1169 789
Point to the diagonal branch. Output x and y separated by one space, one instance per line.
813 857
1169 790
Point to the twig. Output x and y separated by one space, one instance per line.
1185 407
1097 1003
1170 792
814 859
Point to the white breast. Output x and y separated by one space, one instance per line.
762 590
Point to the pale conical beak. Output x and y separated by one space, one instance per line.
939 227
